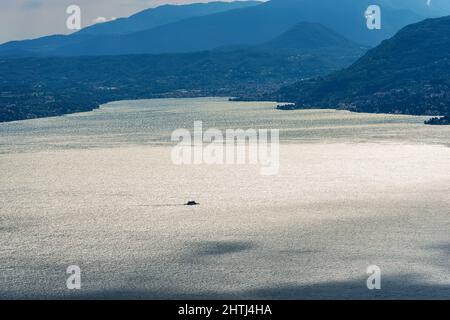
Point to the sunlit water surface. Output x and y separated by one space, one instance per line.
99 190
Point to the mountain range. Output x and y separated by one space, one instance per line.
162 15
191 28
44 86
144 20
409 74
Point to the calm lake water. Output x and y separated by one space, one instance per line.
99 190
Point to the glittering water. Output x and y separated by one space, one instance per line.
99 190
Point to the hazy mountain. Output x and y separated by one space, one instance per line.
409 74
144 20
37 87
313 37
246 26
165 14
249 26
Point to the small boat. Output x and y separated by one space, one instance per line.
192 203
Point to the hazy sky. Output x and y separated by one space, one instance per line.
23 19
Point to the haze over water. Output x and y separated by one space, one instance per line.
99 190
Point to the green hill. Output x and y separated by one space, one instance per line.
408 74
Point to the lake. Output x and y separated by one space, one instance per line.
99 190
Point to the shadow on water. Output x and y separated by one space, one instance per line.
396 287
444 248
212 248
160 205
401 286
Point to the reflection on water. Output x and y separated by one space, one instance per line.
151 122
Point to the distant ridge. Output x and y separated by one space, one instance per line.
408 74
145 20
164 14
248 24
309 36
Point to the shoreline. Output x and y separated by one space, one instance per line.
280 106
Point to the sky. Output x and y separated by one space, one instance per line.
27 19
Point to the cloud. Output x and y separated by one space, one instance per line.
100 20
103 19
